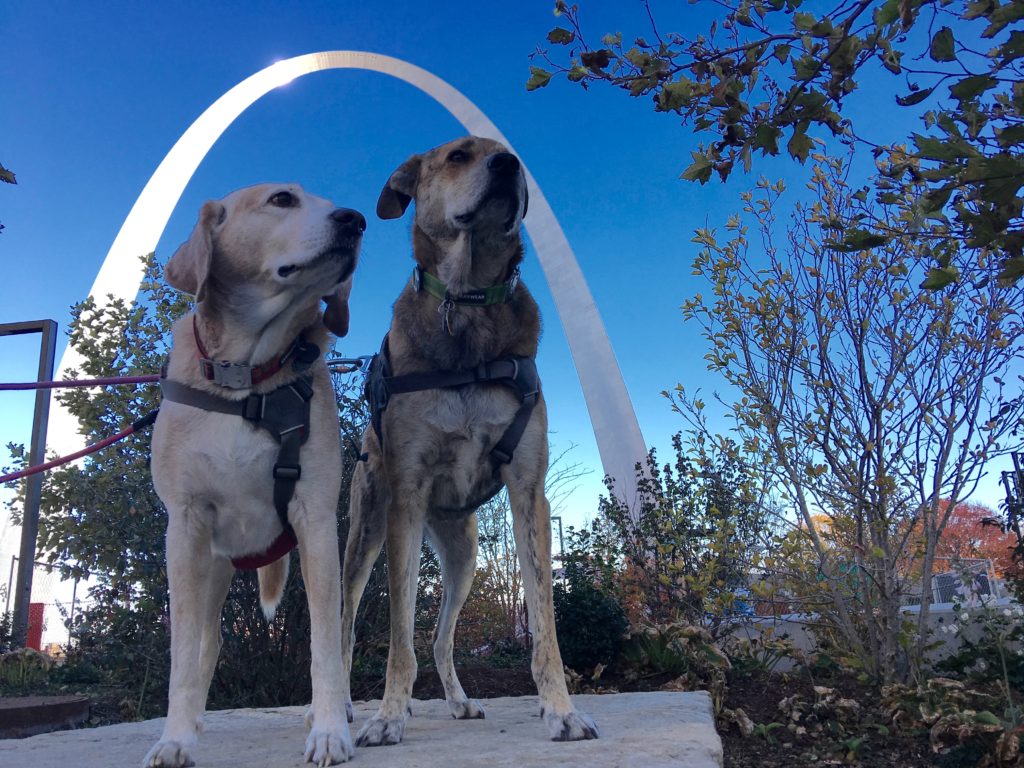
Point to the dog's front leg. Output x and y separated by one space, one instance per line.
532 528
198 582
329 741
404 540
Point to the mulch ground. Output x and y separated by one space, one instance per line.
759 697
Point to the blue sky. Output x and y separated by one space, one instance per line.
96 94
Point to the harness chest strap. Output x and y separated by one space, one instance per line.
284 413
518 373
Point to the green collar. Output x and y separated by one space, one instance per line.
496 294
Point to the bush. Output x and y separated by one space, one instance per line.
590 625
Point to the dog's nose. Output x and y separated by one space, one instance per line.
504 163
349 219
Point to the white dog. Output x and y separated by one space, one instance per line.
244 387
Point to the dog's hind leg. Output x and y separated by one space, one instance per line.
455 541
366 525
404 540
531 519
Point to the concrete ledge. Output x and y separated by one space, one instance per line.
29 715
653 730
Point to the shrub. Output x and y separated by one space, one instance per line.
589 623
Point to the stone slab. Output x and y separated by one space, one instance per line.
29 715
648 730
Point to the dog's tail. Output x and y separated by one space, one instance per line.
272 579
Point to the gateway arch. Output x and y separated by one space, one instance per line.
618 435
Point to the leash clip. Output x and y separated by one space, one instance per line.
350 364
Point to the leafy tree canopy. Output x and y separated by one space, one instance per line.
770 74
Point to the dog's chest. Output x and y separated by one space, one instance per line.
440 440
219 469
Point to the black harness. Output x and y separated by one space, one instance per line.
284 413
517 373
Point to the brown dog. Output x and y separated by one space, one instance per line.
435 453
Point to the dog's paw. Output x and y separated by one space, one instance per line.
168 754
329 747
571 726
378 732
467 709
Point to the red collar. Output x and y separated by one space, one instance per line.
238 375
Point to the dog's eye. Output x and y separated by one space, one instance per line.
457 156
283 200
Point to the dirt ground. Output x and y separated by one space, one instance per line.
759 697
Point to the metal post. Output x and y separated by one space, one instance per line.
561 543
71 615
33 484
10 583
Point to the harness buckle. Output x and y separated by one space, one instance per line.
500 456
303 388
287 471
253 407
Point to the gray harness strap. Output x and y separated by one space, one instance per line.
284 413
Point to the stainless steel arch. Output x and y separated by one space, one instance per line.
618 435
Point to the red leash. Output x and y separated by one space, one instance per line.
140 424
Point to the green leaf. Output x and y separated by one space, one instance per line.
939 277
576 74
888 13
891 61
699 169
914 98
1013 270
800 146
942 47
987 718
1010 136
937 198
781 52
972 86
804 21
766 138
561 36
596 60
936 149
538 78
7 176
858 240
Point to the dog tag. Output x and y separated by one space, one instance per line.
445 310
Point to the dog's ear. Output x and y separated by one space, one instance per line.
336 312
189 266
400 189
